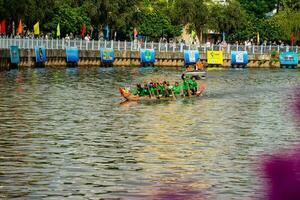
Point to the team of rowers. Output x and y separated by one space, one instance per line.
164 89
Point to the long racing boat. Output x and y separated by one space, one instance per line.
127 95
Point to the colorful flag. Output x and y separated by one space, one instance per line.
293 39
36 28
3 27
106 32
20 28
193 34
257 38
58 30
135 33
83 30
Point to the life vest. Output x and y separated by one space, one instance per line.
199 66
189 68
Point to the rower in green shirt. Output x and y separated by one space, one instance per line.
185 86
154 89
176 89
161 89
193 85
139 90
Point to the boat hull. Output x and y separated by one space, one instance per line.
127 95
197 74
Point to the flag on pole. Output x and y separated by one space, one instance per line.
293 39
257 38
135 33
106 32
193 34
3 27
58 30
83 30
36 28
20 28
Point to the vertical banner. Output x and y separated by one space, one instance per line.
58 30
288 58
215 57
239 57
3 27
36 28
40 54
107 55
72 54
147 55
14 55
83 30
191 56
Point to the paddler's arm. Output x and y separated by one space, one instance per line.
173 95
189 91
150 93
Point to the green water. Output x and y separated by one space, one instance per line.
65 135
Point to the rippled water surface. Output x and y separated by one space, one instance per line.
65 135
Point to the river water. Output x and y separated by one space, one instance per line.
65 135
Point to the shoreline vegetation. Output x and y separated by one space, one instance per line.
235 21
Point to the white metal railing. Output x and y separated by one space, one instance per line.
25 43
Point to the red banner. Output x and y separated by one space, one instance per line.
3 27
83 30
293 39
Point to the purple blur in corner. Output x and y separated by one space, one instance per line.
283 176
282 171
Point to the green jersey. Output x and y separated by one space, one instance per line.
162 89
176 89
140 92
193 84
146 91
153 90
185 85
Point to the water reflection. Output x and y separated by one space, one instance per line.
63 133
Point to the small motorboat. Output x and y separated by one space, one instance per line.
195 70
198 74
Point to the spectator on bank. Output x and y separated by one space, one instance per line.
67 38
71 36
87 37
208 44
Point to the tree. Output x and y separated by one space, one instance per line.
119 15
156 25
192 12
290 4
71 19
229 18
289 23
258 8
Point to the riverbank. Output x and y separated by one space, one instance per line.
57 57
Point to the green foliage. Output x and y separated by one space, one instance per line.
192 12
70 19
274 57
268 29
155 25
239 19
289 23
258 8
290 4
228 18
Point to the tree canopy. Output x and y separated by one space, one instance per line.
239 19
